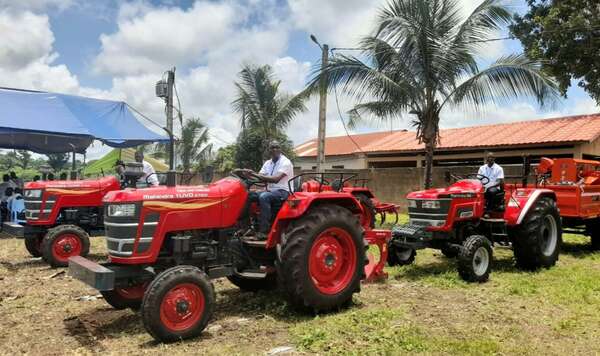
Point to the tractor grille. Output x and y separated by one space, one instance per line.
33 207
121 232
424 216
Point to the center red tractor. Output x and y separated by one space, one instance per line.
454 220
166 244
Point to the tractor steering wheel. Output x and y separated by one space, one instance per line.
483 179
248 179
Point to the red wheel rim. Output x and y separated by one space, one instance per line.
65 246
182 307
332 260
133 292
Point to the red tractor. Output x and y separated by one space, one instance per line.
166 244
455 221
576 184
61 215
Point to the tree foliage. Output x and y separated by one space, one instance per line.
265 113
224 161
58 161
565 36
421 59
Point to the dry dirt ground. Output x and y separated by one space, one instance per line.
424 308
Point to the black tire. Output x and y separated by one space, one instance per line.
33 244
254 285
120 299
450 251
295 252
369 208
475 259
593 230
534 244
400 256
161 286
54 236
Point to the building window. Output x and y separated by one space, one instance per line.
338 167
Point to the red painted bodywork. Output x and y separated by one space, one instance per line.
214 206
71 194
469 193
576 184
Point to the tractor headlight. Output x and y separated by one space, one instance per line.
412 203
117 210
33 193
431 204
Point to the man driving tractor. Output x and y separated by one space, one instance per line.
276 172
494 187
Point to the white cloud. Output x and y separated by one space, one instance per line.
35 5
26 37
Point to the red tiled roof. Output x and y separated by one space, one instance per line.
584 128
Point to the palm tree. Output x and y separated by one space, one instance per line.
192 147
421 59
261 104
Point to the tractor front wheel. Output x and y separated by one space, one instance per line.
62 242
399 256
33 244
123 298
539 237
178 304
475 259
322 258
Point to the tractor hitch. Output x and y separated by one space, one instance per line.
374 270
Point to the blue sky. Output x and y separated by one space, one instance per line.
119 49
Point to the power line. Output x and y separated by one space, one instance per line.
573 29
337 103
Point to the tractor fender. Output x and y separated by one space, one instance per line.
521 202
300 203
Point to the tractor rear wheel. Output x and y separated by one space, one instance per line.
254 285
593 229
33 244
539 237
475 259
398 256
123 298
178 304
62 242
322 258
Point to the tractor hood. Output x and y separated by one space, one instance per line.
465 186
219 190
104 183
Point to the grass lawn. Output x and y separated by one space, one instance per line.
424 308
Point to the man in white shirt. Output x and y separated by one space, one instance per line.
495 184
149 174
276 172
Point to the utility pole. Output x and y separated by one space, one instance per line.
322 105
170 83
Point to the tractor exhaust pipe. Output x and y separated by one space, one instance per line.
526 170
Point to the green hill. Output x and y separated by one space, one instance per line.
107 162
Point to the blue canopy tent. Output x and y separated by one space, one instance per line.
45 122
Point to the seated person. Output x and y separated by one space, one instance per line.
495 186
149 176
276 171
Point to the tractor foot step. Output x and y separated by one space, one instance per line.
490 220
252 274
255 243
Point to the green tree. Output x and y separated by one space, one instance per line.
58 161
251 152
193 148
421 59
565 36
225 159
9 160
265 111
24 158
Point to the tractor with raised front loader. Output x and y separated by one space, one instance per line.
455 221
62 215
166 244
